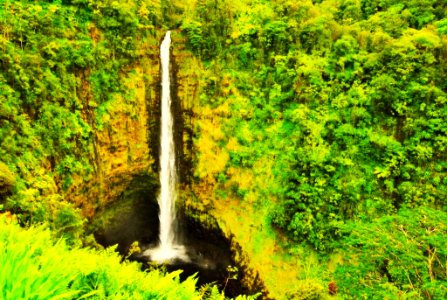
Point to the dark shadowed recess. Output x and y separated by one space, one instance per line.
134 217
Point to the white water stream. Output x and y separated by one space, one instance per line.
167 249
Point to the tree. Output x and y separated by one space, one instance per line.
400 255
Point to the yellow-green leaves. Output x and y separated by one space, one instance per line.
7 179
35 267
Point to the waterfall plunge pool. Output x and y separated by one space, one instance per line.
134 218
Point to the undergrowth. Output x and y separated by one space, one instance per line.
34 266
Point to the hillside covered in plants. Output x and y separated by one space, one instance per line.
314 132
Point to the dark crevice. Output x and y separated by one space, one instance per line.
182 132
134 218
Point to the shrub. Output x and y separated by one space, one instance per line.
36 267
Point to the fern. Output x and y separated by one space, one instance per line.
36 267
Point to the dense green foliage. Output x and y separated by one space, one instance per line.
350 105
341 107
35 267
331 115
403 254
62 67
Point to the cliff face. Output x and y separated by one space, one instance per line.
208 193
128 145
124 147
201 159
186 72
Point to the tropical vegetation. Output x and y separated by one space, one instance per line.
320 124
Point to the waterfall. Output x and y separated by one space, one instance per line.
168 174
167 249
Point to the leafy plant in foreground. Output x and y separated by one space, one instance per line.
36 267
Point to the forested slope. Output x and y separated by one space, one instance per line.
319 129
327 119
77 83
